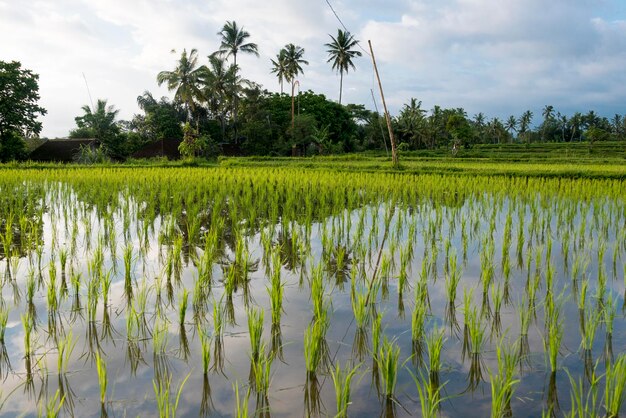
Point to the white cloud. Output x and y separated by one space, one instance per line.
484 55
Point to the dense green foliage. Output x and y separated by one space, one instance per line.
19 94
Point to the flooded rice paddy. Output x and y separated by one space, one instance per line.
267 292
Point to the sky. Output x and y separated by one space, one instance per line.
492 56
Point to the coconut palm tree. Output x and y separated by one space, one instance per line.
217 80
279 68
524 124
184 79
293 61
341 53
233 41
511 125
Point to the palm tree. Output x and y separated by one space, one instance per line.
411 121
548 118
279 68
340 53
511 125
235 40
184 79
524 124
293 61
217 80
100 122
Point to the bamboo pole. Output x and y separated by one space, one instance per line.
394 152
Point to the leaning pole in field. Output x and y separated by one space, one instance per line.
394 151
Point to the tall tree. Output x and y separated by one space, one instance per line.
19 94
293 57
234 40
218 79
184 79
524 124
279 68
548 119
411 122
341 53
511 125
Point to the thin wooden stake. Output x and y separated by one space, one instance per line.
394 152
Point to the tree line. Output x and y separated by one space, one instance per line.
213 107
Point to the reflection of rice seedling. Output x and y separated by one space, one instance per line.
341 380
387 359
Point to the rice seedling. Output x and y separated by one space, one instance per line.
276 290
52 407
4 318
182 306
255 329
167 406
584 398
342 379
241 403
314 344
102 376
27 324
503 383
552 343
429 395
387 359
65 348
360 309
261 368
614 385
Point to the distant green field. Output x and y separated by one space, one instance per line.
570 160
604 160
